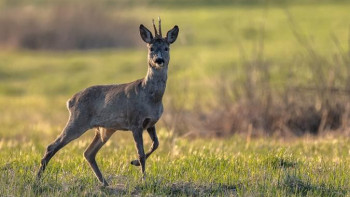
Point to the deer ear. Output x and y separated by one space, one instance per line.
146 35
172 34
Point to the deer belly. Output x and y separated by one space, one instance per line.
114 121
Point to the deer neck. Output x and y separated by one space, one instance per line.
155 82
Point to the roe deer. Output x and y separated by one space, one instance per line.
132 106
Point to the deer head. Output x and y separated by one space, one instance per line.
158 46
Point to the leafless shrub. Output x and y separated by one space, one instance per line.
254 107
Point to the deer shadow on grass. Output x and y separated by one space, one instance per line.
172 189
118 189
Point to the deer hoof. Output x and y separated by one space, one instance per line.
144 177
105 184
135 163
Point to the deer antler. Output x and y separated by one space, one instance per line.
155 29
157 34
160 28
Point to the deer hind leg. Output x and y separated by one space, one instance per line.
155 143
101 137
71 132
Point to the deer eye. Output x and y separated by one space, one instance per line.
166 49
152 49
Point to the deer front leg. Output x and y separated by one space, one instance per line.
152 133
137 133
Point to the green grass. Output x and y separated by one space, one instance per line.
34 87
235 166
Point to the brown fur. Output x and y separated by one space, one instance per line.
132 106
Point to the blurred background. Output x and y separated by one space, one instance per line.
252 67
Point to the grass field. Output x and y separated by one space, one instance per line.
236 166
34 86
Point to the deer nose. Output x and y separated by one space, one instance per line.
159 60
